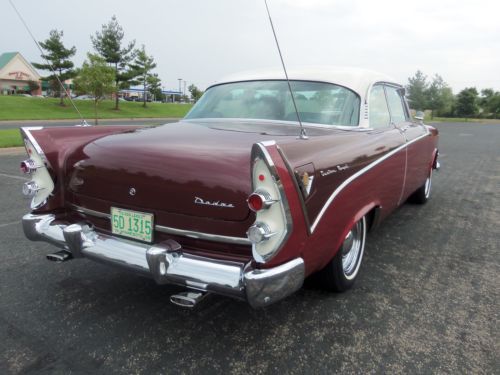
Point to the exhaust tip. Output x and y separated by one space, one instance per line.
188 299
60 256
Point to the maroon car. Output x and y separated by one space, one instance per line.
238 198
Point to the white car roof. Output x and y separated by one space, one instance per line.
356 79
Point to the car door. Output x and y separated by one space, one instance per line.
386 138
416 169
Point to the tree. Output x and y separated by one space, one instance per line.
58 58
108 43
439 97
494 105
95 78
154 86
33 85
467 101
142 67
195 92
490 102
416 89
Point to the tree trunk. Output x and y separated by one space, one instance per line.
144 93
116 87
61 91
95 110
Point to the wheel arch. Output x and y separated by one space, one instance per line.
372 212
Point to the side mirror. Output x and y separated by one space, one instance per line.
419 116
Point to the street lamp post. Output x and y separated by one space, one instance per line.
180 92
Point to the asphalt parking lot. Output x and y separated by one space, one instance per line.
427 299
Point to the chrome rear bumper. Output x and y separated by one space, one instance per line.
167 263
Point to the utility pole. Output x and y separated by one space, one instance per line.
184 93
180 92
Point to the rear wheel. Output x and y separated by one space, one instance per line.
423 193
340 274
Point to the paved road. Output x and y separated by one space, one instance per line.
427 300
147 121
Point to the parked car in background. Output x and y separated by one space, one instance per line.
235 199
84 97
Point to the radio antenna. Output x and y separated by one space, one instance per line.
302 134
84 123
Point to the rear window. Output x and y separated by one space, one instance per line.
317 102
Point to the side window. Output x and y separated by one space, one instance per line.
379 112
396 106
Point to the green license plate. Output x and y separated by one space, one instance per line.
133 224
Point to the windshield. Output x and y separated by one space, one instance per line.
317 102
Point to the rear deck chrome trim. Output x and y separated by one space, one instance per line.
173 231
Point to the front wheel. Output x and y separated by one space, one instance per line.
339 275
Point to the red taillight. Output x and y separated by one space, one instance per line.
259 200
255 202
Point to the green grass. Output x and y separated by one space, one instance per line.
26 108
10 138
461 119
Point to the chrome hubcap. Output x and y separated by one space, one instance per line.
428 184
352 249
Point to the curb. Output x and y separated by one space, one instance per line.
12 151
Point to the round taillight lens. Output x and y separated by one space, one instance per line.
30 188
255 202
259 232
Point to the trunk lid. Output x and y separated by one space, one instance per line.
184 168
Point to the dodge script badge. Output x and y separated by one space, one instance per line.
198 200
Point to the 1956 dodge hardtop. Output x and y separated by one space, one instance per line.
245 196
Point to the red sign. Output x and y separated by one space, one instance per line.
19 75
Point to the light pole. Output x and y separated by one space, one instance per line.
180 92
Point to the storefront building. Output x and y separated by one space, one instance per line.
17 75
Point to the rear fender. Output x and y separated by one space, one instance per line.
294 245
434 159
55 144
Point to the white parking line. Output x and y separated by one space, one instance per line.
15 177
12 223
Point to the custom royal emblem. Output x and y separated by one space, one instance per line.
198 200
334 170
132 191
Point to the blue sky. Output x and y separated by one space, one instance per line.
202 41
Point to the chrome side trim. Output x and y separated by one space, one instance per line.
302 199
27 132
88 211
362 171
174 231
203 236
